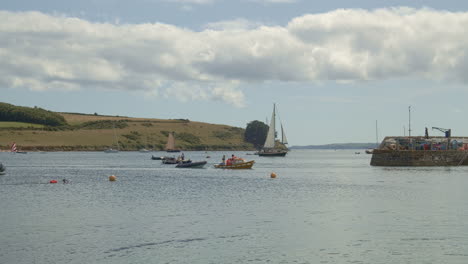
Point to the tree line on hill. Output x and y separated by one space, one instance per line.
34 115
256 133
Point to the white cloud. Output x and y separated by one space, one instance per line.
39 51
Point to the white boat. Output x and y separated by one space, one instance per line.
111 150
270 148
170 145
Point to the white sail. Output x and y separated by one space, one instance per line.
270 140
283 136
170 142
13 147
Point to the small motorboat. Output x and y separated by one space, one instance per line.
169 160
157 158
235 164
191 164
369 151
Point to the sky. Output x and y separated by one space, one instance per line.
337 70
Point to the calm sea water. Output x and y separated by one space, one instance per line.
324 207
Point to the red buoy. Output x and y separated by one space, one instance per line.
53 181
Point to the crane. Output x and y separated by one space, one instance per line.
448 132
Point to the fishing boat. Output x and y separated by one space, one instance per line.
235 164
270 148
15 150
191 164
170 145
2 169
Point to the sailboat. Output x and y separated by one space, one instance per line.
170 145
15 150
111 150
269 148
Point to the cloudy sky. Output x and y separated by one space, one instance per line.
333 68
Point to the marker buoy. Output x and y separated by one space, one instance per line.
273 175
53 181
112 178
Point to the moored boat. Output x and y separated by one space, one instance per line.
169 160
15 150
157 158
270 148
369 151
116 142
237 165
170 145
110 150
191 164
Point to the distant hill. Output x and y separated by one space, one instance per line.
9 112
338 146
93 132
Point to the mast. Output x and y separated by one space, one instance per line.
409 127
409 121
270 140
376 134
115 137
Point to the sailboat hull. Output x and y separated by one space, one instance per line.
237 166
273 154
173 150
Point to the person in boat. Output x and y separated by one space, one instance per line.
182 156
2 168
223 160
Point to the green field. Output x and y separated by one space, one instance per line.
4 124
95 133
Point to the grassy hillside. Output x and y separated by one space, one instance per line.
96 132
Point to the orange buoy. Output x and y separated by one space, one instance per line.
273 175
112 178
53 181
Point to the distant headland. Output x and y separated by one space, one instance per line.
338 146
37 129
